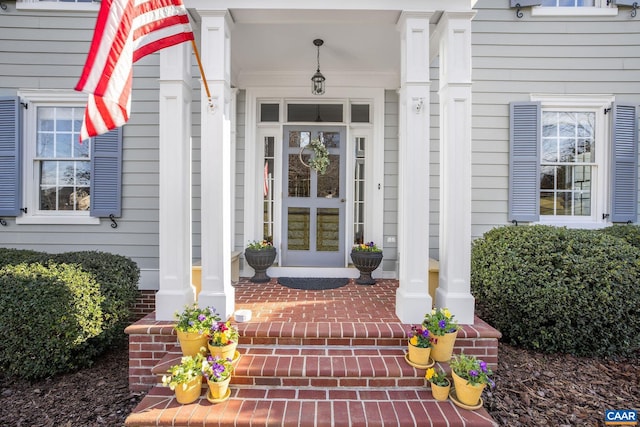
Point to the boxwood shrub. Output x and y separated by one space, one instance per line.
115 277
630 233
555 289
48 313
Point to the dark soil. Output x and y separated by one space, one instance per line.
531 390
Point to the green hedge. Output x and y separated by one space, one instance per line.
47 316
559 290
115 278
630 233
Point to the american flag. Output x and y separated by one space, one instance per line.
126 30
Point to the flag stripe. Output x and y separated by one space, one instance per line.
126 30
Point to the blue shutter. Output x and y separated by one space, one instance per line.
624 163
523 3
10 162
524 165
626 2
106 174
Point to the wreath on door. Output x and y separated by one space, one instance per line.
320 160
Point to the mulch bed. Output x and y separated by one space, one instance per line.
532 389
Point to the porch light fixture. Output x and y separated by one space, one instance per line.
317 81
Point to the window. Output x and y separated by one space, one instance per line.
568 163
55 179
568 3
62 165
67 5
573 160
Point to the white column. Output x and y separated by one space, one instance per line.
175 181
216 169
455 165
412 297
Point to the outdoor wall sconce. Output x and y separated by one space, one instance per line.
317 81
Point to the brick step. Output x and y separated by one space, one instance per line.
317 367
284 406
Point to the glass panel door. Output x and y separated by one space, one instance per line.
313 203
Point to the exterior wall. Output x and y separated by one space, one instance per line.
238 216
47 50
553 55
389 262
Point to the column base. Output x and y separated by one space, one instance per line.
170 301
461 304
412 307
224 303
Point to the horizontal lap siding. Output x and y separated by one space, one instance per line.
47 50
513 58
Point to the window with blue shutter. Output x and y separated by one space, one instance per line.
524 165
624 163
10 161
106 174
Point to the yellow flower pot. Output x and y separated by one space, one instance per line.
191 342
440 392
189 392
226 351
467 394
442 346
218 390
419 355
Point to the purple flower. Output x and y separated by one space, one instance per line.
483 366
190 322
442 324
201 317
425 333
473 373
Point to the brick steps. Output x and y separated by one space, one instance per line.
266 406
315 374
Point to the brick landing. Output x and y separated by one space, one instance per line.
314 358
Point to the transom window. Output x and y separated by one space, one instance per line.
568 149
62 163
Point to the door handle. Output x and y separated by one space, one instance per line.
342 200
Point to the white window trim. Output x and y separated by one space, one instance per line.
54 5
599 9
37 98
601 190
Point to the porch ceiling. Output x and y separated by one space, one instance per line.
268 42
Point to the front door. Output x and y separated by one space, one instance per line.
313 203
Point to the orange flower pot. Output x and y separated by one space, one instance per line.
226 351
440 392
467 393
189 392
419 355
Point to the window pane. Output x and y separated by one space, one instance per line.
298 221
299 176
63 145
360 113
327 229
567 150
329 183
549 150
269 112
546 203
547 178
314 112
330 139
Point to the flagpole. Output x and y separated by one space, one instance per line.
204 78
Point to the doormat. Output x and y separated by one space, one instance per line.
313 283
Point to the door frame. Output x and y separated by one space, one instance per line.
251 195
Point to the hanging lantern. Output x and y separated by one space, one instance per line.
317 81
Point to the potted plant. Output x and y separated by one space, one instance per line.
193 325
419 347
440 384
443 329
470 377
217 371
366 257
260 256
223 340
185 378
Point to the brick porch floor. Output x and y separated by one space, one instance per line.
333 357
